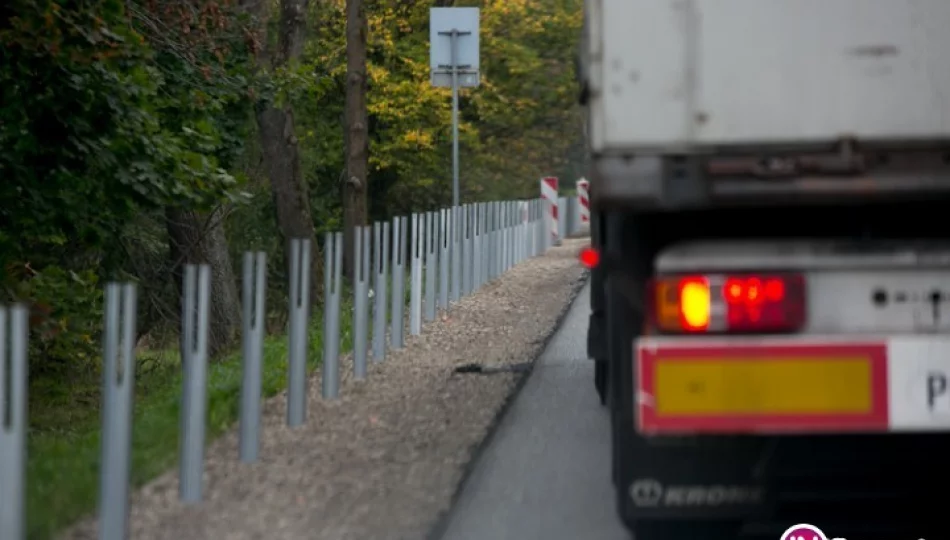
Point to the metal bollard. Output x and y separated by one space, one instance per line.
361 260
467 261
492 240
118 381
399 281
519 239
519 242
543 235
471 248
515 228
525 230
415 276
532 232
512 224
485 244
535 235
431 264
502 243
332 286
562 218
254 296
381 266
574 215
194 396
476 247
525 233
505 237
511 234
464 260
14 340
445 250
456 253
548 239
568 215
297 334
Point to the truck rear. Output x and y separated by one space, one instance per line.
770 319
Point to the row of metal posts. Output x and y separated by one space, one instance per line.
570 221
453 252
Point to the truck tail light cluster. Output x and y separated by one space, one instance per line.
734 303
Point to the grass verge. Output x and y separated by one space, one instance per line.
63 459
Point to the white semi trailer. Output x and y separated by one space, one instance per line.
770 190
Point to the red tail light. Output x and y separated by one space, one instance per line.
728 303
589 257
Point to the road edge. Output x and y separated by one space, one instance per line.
438 529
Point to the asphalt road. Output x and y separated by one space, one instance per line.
546 473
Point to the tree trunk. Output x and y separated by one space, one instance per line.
355 131
288 188
279 148
200 239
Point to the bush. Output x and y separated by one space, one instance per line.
66 318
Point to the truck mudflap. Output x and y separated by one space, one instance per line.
792 385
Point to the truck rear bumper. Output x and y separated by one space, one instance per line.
786 385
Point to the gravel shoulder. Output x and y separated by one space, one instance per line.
385 460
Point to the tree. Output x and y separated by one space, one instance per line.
110 114
356 132
194 41
199 238
278 137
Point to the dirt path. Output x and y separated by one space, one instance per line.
383 461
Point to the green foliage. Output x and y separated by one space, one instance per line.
83 144
100 125
70 332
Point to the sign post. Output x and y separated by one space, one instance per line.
453 62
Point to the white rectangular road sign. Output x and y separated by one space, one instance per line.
442 23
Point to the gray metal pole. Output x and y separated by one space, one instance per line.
445 254
361 256
400 230
466 257
194 398
118 380
333 283
253 295
417 245
455 117
431 266
486 243
14 338
299 329
381 298
456 247
477 247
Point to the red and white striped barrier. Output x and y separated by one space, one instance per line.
549 195
583 200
